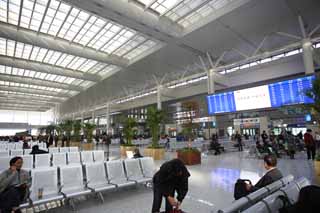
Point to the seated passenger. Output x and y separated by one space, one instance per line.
14 186
272 174
36 150
137 153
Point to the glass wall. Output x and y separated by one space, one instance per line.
32 118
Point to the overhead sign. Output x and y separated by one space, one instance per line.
272 95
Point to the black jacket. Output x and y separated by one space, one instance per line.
270 177
167 180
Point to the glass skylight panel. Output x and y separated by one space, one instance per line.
87 65
140 49
3 10
14 8
134 42
64 21
118 40
8 70
76 63
3 46
10 48
69 80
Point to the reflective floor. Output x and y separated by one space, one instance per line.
210 187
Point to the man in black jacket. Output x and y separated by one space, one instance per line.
172 177
273 174
36 150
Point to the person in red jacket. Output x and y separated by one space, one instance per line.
310 144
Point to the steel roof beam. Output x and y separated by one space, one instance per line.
33 98
33 91
39 82
46 68
25 102
9 31
13 108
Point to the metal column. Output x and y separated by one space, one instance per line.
308 56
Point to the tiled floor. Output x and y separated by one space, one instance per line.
210 187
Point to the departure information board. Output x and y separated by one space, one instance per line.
272 95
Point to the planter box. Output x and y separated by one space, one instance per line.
317 171
189 158
156 154
124 149
87 146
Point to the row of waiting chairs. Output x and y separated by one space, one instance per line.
66 182
273 203
19 145
56 159
17 152
252 198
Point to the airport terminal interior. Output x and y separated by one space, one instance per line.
116 106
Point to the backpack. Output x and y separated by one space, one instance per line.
240 189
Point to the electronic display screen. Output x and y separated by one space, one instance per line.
278 94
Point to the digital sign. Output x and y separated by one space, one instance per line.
271 95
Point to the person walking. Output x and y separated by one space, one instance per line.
239 140
310 144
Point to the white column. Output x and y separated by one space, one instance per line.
210 82
82 118
308 56
93 117
108 118
159 89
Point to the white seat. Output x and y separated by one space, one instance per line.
236 206
286 180
42 160
3 146
64 149
27 162
73 157
27 151
258 207
4 153
134 172
71 178
47 180
258 195
86 157
19 145
273 201
148 166
117 175
11 146
302 182
97 177
4 163
16 152
291 191
54 150
73 149
59 159
274 186
98 156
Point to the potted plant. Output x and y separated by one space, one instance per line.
66 127
154 118
88 129
128 130
76 130
189 155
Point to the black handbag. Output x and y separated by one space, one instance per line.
240 189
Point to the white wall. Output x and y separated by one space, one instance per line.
32 118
